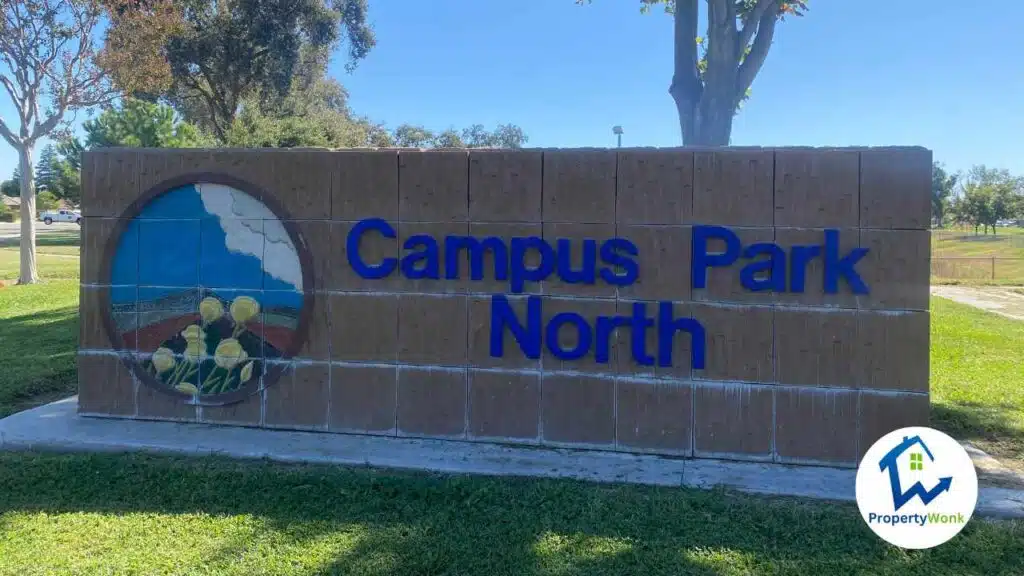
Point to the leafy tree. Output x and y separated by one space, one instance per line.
141 124
12 187
450 138
712 74
49 49
943 186
47 200
409 136
253 128
62 171
226 52
504 136
311 115
476 136
57 175
45 176
379 137
70 150
67 181
135 48
988 196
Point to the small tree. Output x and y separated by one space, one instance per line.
48 47
70 150
990 195
12 187
409 136
47 200
45 176
943 185
139 124
67 181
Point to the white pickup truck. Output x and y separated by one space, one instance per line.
51 216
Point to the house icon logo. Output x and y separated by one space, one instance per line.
916 488
889 464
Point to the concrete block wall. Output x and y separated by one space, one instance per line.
789 377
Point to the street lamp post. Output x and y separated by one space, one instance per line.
617 130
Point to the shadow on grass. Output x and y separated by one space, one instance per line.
406 523
994 424
37 356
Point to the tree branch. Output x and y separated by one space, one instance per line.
758 51
208 98
43 128
9 136
16 98
750 23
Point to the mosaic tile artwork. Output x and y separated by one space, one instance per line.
206 288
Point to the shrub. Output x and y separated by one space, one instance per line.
45 200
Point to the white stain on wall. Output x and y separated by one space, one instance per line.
236 211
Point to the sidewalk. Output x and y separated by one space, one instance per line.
1002 301
56 426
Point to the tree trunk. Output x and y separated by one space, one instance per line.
706 124
28 274
686 86
706 109
714 118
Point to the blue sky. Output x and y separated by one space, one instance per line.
935 73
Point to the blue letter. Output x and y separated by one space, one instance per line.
799 258
702 260
520 273
452 249
386 266
605 331
432 268
667 327
610 256
638 335
775 265
582 343
586 274
836 267
503 315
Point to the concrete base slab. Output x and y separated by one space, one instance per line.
58 427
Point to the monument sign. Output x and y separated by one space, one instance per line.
765 304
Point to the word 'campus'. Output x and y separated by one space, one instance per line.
532 259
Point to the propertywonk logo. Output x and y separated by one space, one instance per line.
916 488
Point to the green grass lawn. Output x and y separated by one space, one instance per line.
977 378
962 257
56 257
111 514
39 336
137 514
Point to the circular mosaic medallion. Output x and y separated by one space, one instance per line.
209 289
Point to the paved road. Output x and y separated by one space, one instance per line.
10 230
1002 301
